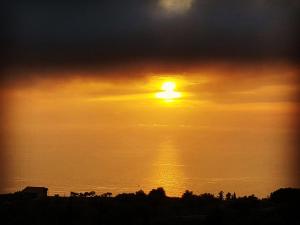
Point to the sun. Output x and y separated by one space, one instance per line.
168 92
168 86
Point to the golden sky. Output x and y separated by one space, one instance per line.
230 129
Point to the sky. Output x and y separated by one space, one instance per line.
79 85
226 132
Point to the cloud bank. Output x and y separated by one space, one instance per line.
111 32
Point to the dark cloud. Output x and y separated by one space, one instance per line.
110 32
124 39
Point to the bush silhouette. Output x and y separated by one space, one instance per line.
286 195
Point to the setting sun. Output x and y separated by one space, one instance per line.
168 92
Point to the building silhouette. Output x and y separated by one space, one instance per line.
37 192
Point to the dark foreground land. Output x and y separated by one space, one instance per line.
281 207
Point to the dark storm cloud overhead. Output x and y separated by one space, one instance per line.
100 32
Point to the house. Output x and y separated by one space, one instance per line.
36 192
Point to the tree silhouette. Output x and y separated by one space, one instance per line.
187 195
281 208
158 193
106 195
140 193
234 196
221 195
228 196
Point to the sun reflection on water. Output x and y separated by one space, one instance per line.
168 170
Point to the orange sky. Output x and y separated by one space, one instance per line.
231 130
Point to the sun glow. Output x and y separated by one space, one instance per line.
176 6
168 91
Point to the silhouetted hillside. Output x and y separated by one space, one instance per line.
153 208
